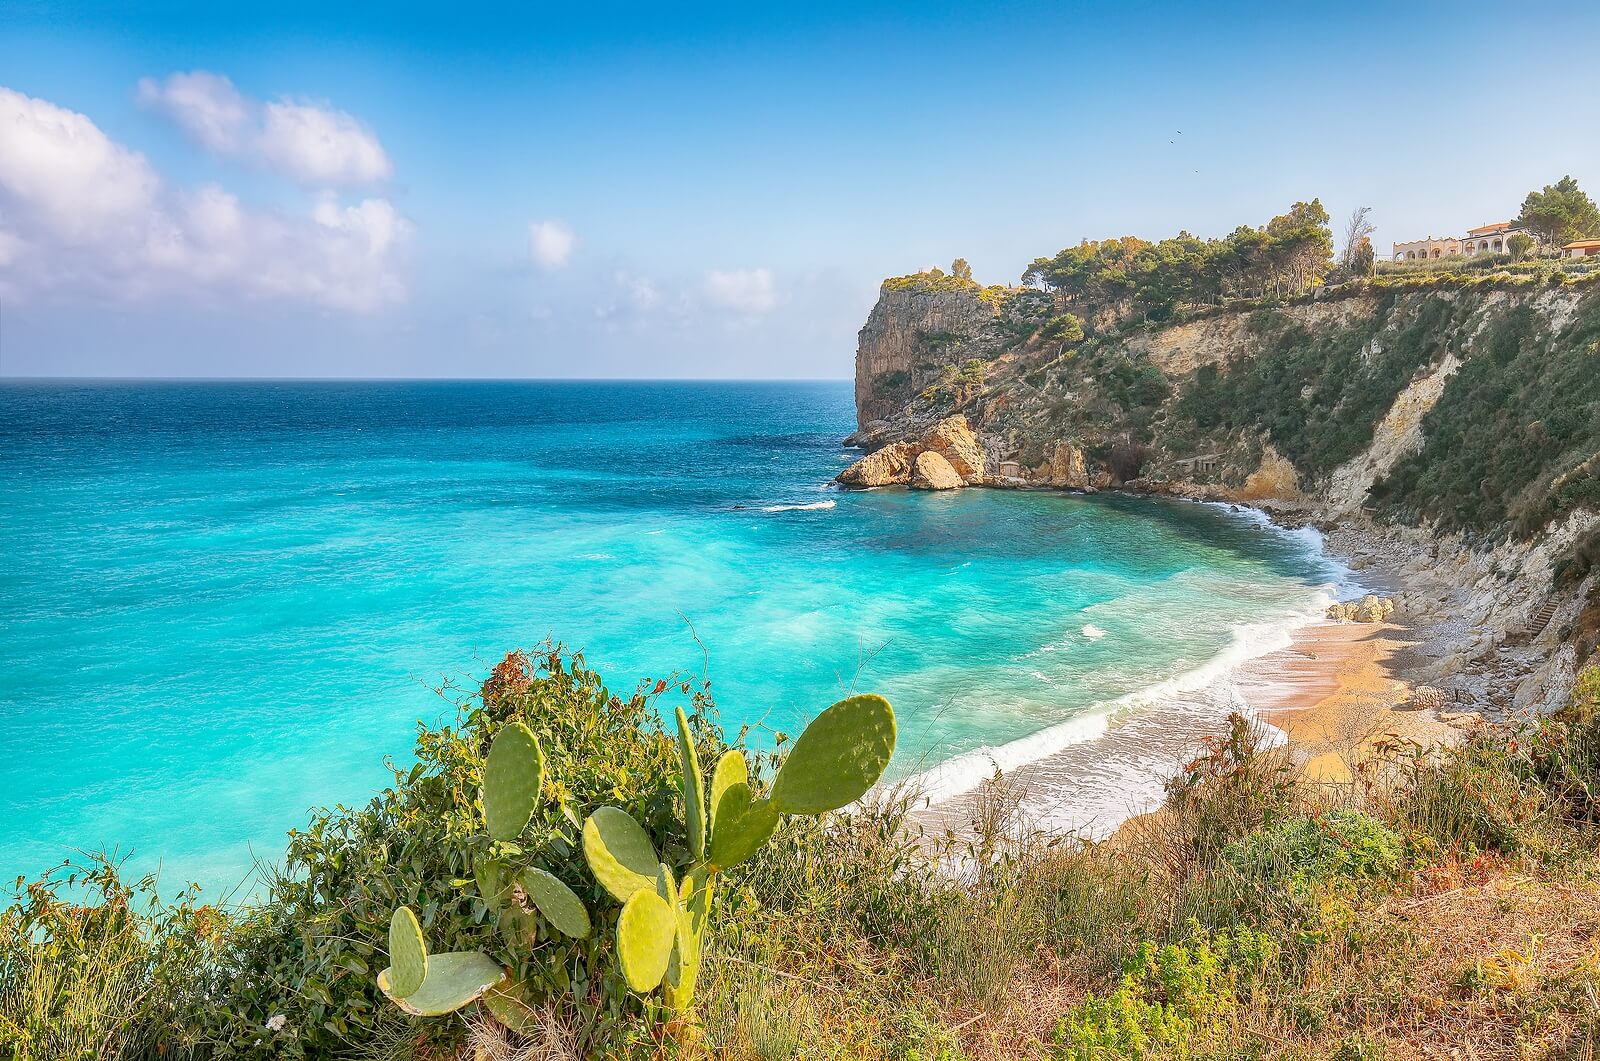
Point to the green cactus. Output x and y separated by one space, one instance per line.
838 757
646 931
660 931
731 770
619 852
408 954
694 911
454 980
557 902
744 828
512 777
694 789
432 985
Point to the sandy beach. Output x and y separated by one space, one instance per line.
1336 691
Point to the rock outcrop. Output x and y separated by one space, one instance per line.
914 330
889 466
947 455
1066 468
933 472
952 438
1369 609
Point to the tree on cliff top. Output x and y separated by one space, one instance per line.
1356 258
960 269
1560 213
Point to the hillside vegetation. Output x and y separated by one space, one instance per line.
1447 897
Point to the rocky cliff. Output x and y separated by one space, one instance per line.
1460 423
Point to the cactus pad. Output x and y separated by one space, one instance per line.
731 770
694 789
743 827
619 853
838 758
408 954
512 777
646 930
693 912
557 902
505 1004
453 981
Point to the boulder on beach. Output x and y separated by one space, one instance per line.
1369 609
933 472
1428 698
889 466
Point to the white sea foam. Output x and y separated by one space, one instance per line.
809 506
1204 692
1092 632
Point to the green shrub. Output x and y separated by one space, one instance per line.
310 950
1471 798
1309 851
1508 440
1173 1000
1562 752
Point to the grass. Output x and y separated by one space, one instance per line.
1447 904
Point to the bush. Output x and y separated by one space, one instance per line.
1464 800
310 951
1174 999
1311 851
107 973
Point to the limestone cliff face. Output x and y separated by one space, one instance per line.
914 331
1462 417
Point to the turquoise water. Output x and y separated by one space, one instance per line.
222 604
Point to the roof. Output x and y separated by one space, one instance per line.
1579 244
1489 229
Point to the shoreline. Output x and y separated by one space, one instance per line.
1331 694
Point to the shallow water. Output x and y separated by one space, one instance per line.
224 603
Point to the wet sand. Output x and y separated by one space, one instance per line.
1335 692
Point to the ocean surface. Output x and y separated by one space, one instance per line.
222 604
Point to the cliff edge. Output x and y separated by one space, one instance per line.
1459 425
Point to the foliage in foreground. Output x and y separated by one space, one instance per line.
1448 897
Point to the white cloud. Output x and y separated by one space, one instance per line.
551 243
84 216
309 143
742 290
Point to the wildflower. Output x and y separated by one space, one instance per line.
276 1022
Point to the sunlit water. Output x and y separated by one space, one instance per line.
221 604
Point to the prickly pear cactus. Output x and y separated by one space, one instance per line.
694 789
512 777
557 902
731 770
454 980
743 827
646 930
838 757
430 985
408 954
619 853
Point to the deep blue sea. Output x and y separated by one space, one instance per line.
224 603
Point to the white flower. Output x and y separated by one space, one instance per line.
276 1022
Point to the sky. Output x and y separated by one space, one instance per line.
666 191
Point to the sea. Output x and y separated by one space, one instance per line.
225 603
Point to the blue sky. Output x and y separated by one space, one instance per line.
605 190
